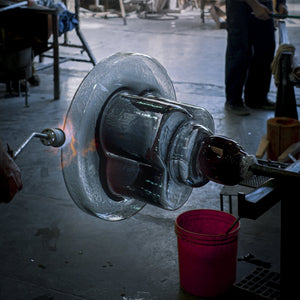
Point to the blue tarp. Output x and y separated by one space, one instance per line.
66 22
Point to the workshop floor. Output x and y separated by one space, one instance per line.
50 249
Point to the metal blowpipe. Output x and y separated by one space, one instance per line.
224 161
280 16
54 137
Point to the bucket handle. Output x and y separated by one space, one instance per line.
233 224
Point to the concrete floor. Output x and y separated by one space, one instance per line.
50 249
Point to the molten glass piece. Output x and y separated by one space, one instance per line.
224 161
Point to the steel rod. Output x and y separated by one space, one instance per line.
283 34
280 16
34 134
274 172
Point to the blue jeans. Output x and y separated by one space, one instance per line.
249 54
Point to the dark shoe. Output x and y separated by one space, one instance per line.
265 105
34 80
240 110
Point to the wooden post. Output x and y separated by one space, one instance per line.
281 133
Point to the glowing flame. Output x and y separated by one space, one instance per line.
90 148
70 151
68 157
71 145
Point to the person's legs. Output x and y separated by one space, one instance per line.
237 52
259 75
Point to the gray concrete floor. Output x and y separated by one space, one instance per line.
50 249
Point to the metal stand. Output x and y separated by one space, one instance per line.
123 13
55 46
285 100
215 11
84 45
261 199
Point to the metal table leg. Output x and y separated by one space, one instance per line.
56 57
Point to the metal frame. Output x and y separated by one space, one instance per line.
285 99
255 203
55 46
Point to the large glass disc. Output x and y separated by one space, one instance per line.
130 72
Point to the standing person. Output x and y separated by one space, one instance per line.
249 54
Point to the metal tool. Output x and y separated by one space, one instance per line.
54 137
224 161
272 172
256 261
281 16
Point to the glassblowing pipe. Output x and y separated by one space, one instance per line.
280 16
54 137
272 172
224 161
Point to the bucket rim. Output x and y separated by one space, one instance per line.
230 233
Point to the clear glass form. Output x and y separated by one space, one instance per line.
127 144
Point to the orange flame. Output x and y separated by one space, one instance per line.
71 151
68 157
91 148
71 141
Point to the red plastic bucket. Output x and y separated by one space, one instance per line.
207 255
